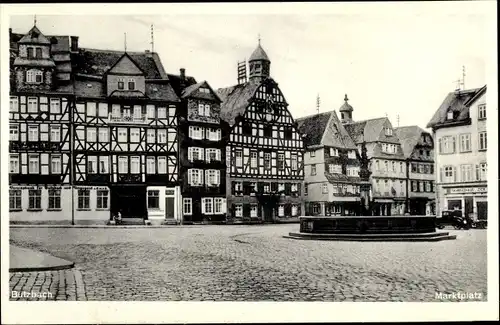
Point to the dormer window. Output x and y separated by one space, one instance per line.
131 84
121 84
34 76
388 132
449 115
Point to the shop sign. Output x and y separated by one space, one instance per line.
466 190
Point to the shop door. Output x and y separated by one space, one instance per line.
169 207
482 210
469 206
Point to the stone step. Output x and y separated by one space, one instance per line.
438 236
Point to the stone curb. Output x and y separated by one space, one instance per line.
135 226
42 268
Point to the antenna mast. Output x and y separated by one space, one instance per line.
152 39
463 77
34 20
398 120
318 102
125 41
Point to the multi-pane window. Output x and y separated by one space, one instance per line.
195 132
294 162
102 199
334 152
253 211
162 165
219 205
466 173
313 170
122 135
14 104
201 109
238 210
104 164
335 168
447 145
135 165
162 136
449 172
103 109
34 76
153 199
324 188
32 105
91 135
195 177
34 164
482 141
121 83
150 165
312 154
421 186
92 164
465 142
482 171
14 164
35 199
150 109
135 135
207 205
239 158
195 154
91 109
281 161
267 160
33 133
281 210
83 199
55 105
131 84
481 111
55 133
15 199
162 112
14 132
123 165
187 206
388 131
103 135
214 134
212 177
267 188
253 159
55 165
137 111
54 199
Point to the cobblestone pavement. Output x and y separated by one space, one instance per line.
48 285
255 263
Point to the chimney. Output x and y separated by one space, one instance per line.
10 32
74 43
183 77
148 53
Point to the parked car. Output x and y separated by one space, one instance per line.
454 218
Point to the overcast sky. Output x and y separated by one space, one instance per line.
395 62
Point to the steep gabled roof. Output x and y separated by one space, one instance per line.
34 36
190 91
120 65
313 127
235 100
175 81
325 129
409 136
97 62
367 130
458 102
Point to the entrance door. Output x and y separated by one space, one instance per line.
169 207
469 206
482 210
268 213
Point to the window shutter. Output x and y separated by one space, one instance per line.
218 154
190 154
190 177
202 154
203 200
190 132
440 145
453 144
217 175
207 181
454 173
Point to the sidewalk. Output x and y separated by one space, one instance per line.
27 260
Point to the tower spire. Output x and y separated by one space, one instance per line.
34 20
258 37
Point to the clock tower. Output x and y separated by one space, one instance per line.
259 64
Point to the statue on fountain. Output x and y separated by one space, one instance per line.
364 175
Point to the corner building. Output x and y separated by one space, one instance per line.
264 153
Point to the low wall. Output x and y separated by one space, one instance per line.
368 224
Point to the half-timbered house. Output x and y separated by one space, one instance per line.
125 136
201 151
264 157
41 102
331 179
